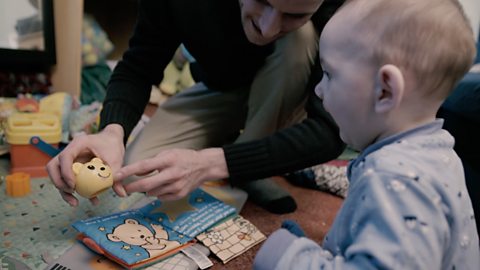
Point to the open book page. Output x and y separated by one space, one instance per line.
191 215
158 228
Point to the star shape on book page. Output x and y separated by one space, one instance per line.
174 208
220 190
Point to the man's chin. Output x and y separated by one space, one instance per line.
259 41
256 39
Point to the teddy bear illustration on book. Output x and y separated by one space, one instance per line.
133 233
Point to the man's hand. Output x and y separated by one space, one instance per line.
106 145
172 174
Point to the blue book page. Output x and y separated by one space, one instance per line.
136 235
130 236
191 215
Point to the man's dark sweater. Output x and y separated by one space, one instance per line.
212 32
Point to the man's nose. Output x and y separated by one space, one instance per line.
270 23
318 91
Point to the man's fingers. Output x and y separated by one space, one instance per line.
69 198
140 168
53 169
173 191
149 183
140 185
95 201
77 151
169 197
66 159
65 163
119 189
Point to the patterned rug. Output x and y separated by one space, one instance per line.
38 224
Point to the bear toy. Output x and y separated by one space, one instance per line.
92 178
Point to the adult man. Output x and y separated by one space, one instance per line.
255 58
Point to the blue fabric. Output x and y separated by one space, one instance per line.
407 208
267 257
293 227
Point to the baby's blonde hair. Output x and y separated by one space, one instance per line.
430 39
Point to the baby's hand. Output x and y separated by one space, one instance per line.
293 227
475 68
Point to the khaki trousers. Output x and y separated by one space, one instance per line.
199 117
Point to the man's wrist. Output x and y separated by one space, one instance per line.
114 129
215 162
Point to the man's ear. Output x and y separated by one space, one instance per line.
390 89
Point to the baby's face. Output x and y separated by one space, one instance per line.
348 83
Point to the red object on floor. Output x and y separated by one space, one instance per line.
338 162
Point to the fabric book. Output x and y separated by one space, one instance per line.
138 237
231 238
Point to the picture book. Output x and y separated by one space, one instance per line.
231 238
142 236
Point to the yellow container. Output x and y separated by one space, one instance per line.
21 127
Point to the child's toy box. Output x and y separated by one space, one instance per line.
24 155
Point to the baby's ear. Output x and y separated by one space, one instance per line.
390 89
76 167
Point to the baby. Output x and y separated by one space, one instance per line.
388 66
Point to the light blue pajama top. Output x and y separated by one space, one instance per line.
407 208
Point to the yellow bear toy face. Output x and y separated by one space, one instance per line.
92 177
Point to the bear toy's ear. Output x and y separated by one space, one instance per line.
96 160
76 167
